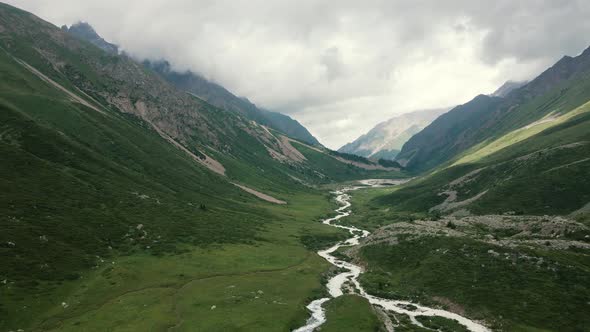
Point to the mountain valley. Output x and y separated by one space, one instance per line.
135 197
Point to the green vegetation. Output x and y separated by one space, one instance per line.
405 324
106 225
368 214
441 324
334 171
351 313
507 287
126 244
520 134
123 250
117 224
544 173
275 275
389 163
316 242
495 122
351 157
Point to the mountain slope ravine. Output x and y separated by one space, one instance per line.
335 284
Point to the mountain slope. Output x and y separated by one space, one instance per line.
197 85
512 211
222 98
386 139
559 89
84 31
508 87
117 83
527 152
447 135
538 169
116 187
506 220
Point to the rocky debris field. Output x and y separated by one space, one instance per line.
550 232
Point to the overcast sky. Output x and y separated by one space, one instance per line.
340 67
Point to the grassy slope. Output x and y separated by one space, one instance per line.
80 66
100 213
528 169
520 134
76 186
513 294
246 283
557 91
550 178
351 313
533 290
332 170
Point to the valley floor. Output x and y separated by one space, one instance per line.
261 286
515 273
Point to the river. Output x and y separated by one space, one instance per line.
352 272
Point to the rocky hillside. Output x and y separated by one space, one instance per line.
219 96
386 139
197 85
84 31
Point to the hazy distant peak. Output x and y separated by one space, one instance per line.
386 139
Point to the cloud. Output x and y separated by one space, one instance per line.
341 67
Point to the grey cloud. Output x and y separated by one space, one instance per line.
332 62
341 67
539 29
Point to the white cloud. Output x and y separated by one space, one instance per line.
341 67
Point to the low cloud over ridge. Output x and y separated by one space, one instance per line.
341 67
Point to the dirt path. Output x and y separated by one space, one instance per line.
259 194
73 97
208 162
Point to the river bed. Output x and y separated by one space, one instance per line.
352 272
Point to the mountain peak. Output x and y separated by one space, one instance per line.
386 139
508 87
85 31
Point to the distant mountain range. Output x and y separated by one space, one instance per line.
209 91
386 139
129 202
